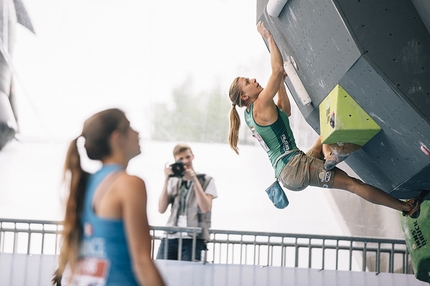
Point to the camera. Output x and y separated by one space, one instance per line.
178 169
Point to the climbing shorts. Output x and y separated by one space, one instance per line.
306 170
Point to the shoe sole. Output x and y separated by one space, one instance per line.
416 205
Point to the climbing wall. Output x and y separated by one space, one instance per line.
379 52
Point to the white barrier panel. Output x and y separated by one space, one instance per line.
27 270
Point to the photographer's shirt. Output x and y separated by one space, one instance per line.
184 191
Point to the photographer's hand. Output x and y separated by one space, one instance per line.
189 174
204 200
164 199
167 171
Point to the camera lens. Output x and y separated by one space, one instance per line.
178 169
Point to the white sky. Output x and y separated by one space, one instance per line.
88 55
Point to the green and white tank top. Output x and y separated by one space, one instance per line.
276 139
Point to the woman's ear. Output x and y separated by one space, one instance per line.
115 134
114 138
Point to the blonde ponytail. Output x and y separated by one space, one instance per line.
234 94
233 136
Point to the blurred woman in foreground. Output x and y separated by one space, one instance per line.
106 238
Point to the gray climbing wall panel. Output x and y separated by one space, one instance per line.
379 52
401 127
395 38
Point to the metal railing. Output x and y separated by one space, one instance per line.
30 236
240 247
160 232
309 251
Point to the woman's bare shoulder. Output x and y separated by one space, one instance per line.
126 181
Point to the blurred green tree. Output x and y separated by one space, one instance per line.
192 116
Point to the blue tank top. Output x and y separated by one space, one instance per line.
276 139
104 243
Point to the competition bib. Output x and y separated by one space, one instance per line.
91 271
259 139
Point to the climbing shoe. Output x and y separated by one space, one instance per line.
415 203
332 160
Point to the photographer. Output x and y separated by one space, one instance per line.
190 195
